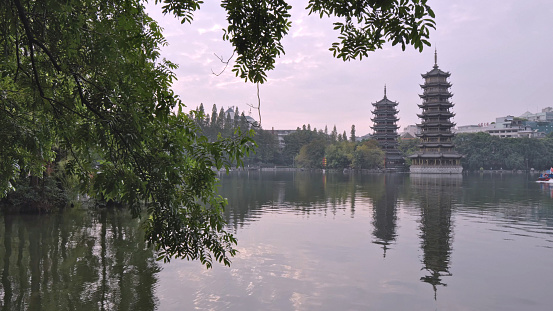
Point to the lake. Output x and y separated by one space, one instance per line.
306 241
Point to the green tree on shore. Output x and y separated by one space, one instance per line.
352 133
482 150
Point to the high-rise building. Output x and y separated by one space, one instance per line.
436 152
385 132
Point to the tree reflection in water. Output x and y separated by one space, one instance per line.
76 260
435 194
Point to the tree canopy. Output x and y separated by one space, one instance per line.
85 79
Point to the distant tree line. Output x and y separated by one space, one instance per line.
317 149
305 148
221 123
484 151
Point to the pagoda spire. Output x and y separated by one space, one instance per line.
384 90
435 58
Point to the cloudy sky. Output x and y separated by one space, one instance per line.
499 54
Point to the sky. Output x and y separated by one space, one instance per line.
499 54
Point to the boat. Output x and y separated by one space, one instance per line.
546 177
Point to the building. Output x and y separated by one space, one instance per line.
531 125
474 128
436 153
546 115
230 112
364 137
385 132
511 127
412 130
280 134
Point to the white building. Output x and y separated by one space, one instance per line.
280 136
413 130
545 115
230 112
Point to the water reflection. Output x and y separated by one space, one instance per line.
251 194
384 211
76 260
436 194
547 189
307 241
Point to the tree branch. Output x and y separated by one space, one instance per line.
224 62
25 21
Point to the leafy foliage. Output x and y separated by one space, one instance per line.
368 156
256 29
84 78
482 150
265 143
311 155
408 147
368 24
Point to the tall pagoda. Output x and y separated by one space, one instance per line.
385 132
437 152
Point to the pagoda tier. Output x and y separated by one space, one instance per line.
429 125
433 114
390 126
429 94
435 105
435 84
436 150
385 132
385 120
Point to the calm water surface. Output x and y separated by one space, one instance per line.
307 241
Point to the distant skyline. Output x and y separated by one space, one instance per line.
499 54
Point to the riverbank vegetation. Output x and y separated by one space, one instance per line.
484 151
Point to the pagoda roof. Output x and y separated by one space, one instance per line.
436 94
434 83
376 120
384 125
384 136
436 114
436 155
435 72
390 110
441 134
436 145
445 104
385 101
384 114
435 123
384 133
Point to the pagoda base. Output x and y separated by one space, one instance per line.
428 169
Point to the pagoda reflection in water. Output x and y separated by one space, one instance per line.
384 211
435 194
